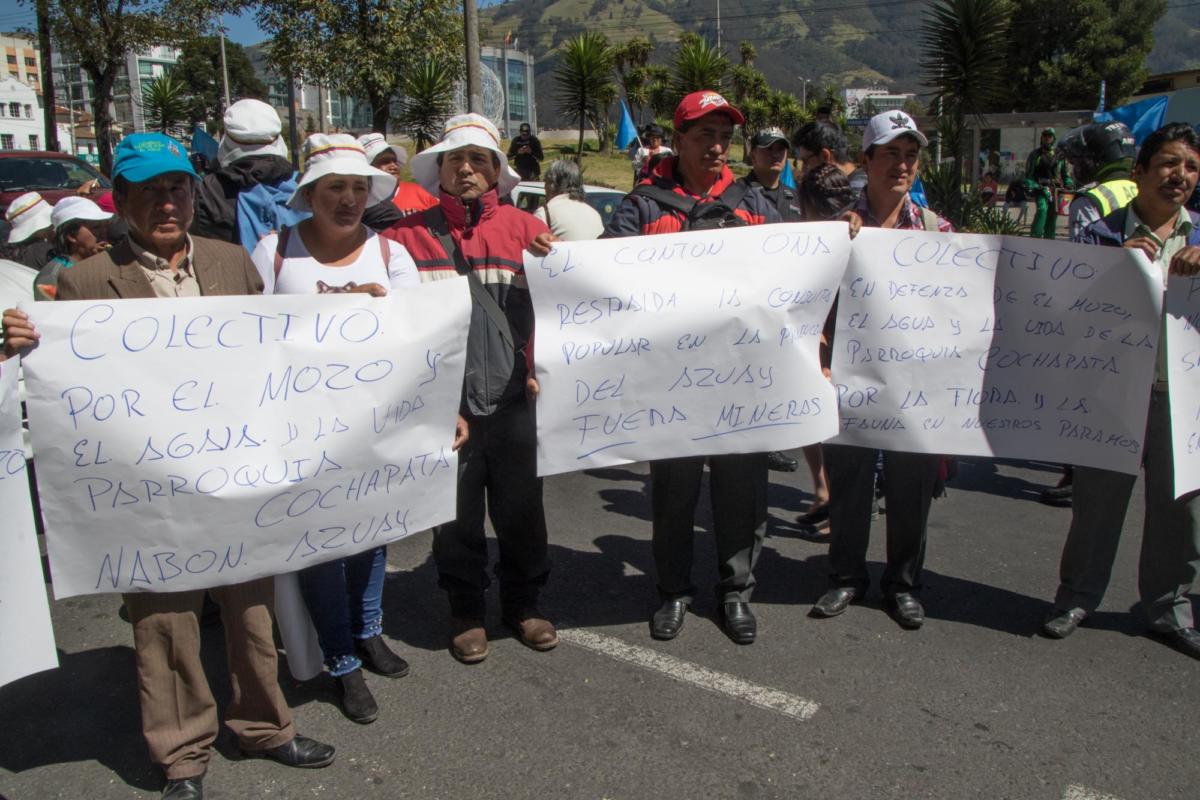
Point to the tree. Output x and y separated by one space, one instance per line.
964 42
426 100
631 61
583 76
1059 52
698 65
199 69
98 35
363 47
164 103
747 53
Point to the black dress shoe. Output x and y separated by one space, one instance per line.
1185 640
668 620
1061 623
299 752
739 622
906 609
379 658
184 789
836 600
781 462
358 704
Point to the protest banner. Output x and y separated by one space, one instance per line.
208 441
684 344
996 346
24 612
1183 376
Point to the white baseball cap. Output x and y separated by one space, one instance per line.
339 154
70 209
375 143
252 128
888 125
27 215
461 131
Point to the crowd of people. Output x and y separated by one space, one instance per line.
348 224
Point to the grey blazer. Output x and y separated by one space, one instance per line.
220 269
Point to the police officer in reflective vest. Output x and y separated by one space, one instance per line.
1101 157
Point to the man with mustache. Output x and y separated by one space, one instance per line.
1156 223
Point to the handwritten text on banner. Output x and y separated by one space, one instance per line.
989 345
684 344
24 613
207 441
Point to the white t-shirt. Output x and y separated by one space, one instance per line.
571 220
300 273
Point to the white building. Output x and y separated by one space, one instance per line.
74 88
20 120
867 102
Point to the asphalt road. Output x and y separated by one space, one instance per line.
974 705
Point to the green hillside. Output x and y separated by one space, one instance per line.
851 42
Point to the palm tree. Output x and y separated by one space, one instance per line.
698 65
584 79
426 100
748 53
965 42
164 102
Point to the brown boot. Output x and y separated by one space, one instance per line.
533 629
468 640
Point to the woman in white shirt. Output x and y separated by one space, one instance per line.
332 251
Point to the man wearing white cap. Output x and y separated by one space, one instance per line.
408 198
80 231
469 232
252 153
31 230
892 151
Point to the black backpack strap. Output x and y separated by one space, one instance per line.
733 196
666 198
435 219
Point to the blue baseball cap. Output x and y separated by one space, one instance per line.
142 156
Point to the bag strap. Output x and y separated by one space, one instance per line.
929 219
435 219
666 198
280 246
733 196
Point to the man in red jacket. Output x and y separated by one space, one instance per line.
698 179
470 233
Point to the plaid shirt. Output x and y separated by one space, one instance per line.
909 219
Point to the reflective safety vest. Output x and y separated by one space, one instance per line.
1111 195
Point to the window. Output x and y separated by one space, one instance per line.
33 142
28 111
2 110
6 141
12 59
30 62
14 110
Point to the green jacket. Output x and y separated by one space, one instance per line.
1043 168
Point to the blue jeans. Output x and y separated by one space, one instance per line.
345 599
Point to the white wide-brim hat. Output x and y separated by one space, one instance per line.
375 143
28 214
70 209
461 131
339 154
252 128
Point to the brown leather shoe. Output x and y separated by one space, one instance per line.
534 631
468 640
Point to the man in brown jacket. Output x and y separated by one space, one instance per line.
153 188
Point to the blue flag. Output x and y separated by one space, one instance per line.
626 132
787 178
203 143
1143 117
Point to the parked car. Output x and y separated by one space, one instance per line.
53 175
531 195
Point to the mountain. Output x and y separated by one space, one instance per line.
838 42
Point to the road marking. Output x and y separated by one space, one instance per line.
1077 792
694 674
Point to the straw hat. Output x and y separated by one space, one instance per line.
461 131
339 154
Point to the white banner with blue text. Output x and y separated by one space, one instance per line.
684 344
24 612
1003 346
1183 373
206 441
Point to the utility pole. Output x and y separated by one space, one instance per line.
504 77
718 24
49 119
293 134
224 66
474 83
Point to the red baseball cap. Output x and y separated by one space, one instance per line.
702 103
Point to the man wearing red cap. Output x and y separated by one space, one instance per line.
694 190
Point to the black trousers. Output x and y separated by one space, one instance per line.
909 480
738 487
497 475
